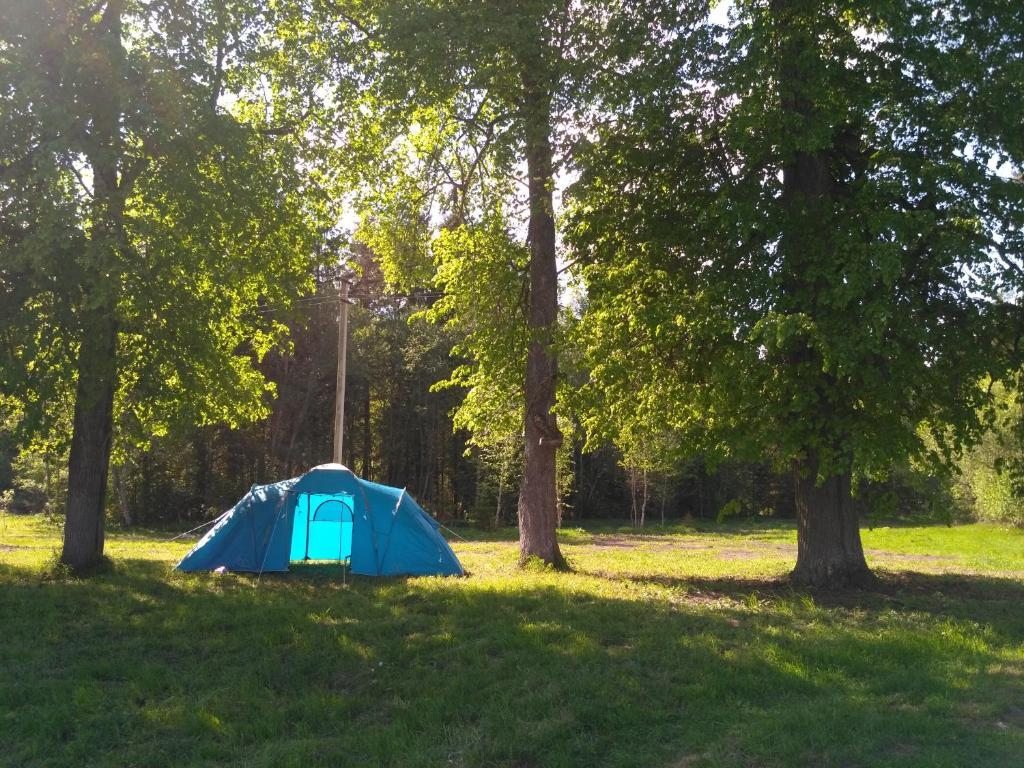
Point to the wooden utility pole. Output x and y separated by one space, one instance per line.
339 390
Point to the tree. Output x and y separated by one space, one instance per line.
506 86
151 198
816 262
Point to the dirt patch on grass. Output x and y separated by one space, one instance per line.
751 550
948 585
647 542
906 556
974 715
1009 670
756 554
617 542
754 549
9 547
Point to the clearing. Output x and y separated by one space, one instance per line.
672 647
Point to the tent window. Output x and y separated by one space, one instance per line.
333 511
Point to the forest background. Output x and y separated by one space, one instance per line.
433 140
400 431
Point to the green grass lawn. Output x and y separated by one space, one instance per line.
675 647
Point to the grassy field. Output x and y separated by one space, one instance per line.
679 647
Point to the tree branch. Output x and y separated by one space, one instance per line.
351 20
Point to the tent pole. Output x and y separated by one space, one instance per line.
339 390
266 551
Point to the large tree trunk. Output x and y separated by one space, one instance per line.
90 446
97 353
829 552
538 494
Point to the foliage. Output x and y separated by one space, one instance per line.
494 87
988 481
724 329
39 483
216 213
397 431
757 330
481 273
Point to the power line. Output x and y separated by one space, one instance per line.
306 302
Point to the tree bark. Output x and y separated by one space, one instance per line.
367 431
117 473
643 502
93 425
631 477
299 423
90 446
497 507
829 551
201 483
538 494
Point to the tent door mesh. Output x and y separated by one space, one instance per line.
323 527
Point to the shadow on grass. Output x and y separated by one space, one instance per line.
579 532
969 596
144 666
770 528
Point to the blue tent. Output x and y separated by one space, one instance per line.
326 514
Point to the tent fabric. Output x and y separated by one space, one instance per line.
326 514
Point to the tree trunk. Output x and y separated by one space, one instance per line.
538 493
93 424
631 477
201 483
299 424
700 495
90 446
122 495
367 432
643 502
497 507
829 552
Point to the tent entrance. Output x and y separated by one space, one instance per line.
322 527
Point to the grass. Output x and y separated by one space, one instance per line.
676 647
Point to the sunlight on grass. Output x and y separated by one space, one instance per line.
675 646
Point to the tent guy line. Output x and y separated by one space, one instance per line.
201 526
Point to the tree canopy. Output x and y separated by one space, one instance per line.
152 198
793 240
802 227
